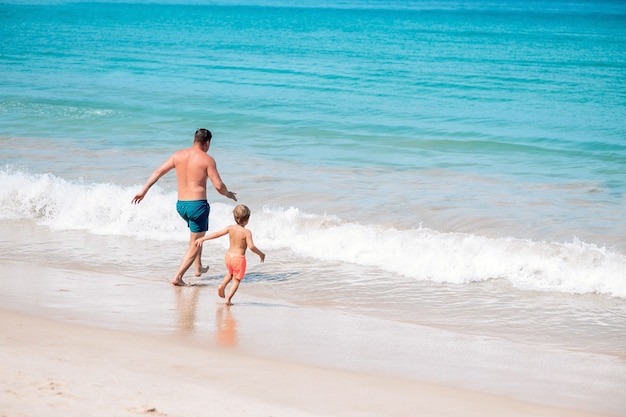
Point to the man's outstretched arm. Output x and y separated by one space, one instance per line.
158 173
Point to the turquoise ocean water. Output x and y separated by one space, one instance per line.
456 164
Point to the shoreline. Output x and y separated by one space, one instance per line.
53 367
194 320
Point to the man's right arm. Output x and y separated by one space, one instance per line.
158 173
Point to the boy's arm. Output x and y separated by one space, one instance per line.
253 248
221 233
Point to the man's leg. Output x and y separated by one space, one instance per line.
189 258
198 262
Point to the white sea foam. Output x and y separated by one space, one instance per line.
425 254
422 254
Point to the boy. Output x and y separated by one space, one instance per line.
235 259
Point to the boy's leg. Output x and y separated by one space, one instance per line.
233 290
222 287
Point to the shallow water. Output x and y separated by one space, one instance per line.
494 308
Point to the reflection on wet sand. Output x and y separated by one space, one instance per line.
226 327
186 306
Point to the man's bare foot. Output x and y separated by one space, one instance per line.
220 291
201 270
178 282
228 303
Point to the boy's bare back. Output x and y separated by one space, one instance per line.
240 239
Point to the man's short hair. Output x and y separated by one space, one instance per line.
202 136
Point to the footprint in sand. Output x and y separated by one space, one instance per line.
146 409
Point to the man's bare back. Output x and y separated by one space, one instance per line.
192 171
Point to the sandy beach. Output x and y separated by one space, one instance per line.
56 368
78 340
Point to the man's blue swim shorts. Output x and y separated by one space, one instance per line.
195 213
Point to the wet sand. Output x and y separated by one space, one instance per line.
59 368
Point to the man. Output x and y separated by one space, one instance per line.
193 168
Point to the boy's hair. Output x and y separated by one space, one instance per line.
241 214
202 136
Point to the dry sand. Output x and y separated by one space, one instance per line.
59 368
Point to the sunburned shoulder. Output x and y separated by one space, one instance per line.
239 229
193 155
192 151
183 151
182 154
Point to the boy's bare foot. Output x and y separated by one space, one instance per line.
220 291
228 303
201 270
178 282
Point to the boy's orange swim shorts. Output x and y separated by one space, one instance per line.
236 265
